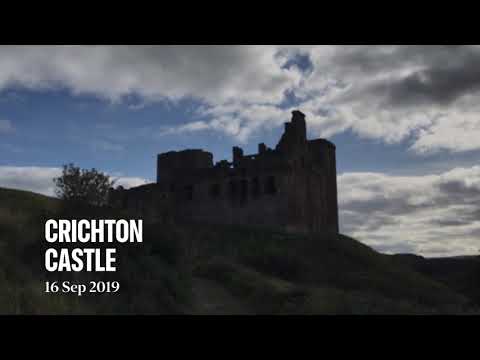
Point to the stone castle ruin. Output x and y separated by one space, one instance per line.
292 187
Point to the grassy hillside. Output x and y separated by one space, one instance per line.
276 272
459 273
204 269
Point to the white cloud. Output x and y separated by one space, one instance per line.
428 95
189 127
432 215
240 121
216 74
30 178
40 179
128 182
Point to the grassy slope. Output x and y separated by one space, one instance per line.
460 273
279 273
214 269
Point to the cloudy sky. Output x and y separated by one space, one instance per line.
405 120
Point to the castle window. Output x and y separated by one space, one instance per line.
255 187
215 190
243 190
189 192
270 186
232 188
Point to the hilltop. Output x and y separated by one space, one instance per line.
206 269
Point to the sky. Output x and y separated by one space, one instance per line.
405 121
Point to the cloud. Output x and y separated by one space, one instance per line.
128 182
6 126
40 179
29 178
215 74
419 74
432 215
190 127
425 95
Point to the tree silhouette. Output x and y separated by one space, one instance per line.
83 185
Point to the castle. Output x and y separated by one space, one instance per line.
292 187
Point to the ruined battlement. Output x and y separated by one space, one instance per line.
292 187
174 163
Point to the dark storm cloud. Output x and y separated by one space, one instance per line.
445 73
457 191
440 86
377 58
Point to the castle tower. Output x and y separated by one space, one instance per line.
295 136
323 156
171 164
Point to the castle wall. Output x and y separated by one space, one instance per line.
255 199
293 187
